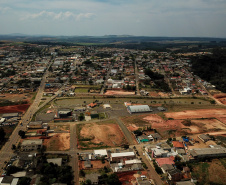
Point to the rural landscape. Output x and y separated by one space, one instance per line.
112 110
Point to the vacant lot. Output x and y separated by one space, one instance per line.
100 135
14 108
210 172
221 97
16 97
95 164
180 127
109 92
191 114
81 90
58 142
135 121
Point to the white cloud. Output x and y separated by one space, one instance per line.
58 16
4 9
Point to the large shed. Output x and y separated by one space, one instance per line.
138 109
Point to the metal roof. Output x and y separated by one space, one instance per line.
139 108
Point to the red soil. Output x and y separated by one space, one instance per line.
14 108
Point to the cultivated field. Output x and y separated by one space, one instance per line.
100 135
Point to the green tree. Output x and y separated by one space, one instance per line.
24 181
21 134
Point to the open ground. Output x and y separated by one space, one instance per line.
14 108
16 97
56 141
191 114
211 172
101 134
221 97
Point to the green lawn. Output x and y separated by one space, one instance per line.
81 90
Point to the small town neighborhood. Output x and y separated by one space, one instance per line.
104 115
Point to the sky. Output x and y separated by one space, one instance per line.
172 18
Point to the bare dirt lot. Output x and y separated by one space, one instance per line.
95 164
174 128
16 97
58 142
14 108
119 93
135 121
129 178
191 114
97 135
221 97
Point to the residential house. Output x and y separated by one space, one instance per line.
31 144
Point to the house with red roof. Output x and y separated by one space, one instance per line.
178 145
166 160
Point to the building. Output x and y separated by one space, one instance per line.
162 161
185 183
9 180
102 152
118 157
138 109
208 152
204 138
10 115
93 177
35 125
178 145
31 144
64 113
143 138
175 175
57 161
166 167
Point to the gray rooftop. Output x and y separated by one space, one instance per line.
32 141
139 108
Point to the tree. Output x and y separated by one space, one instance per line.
137 132
24 181
13 169
125 146
2 134
82 173
21 134
13 147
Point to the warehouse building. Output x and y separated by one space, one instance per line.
118 157
208 152
138 109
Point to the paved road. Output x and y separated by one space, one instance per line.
136 78
126 132
6 151
209 94
151 171
106 78
73 153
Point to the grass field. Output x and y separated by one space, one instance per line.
81 90
210 172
